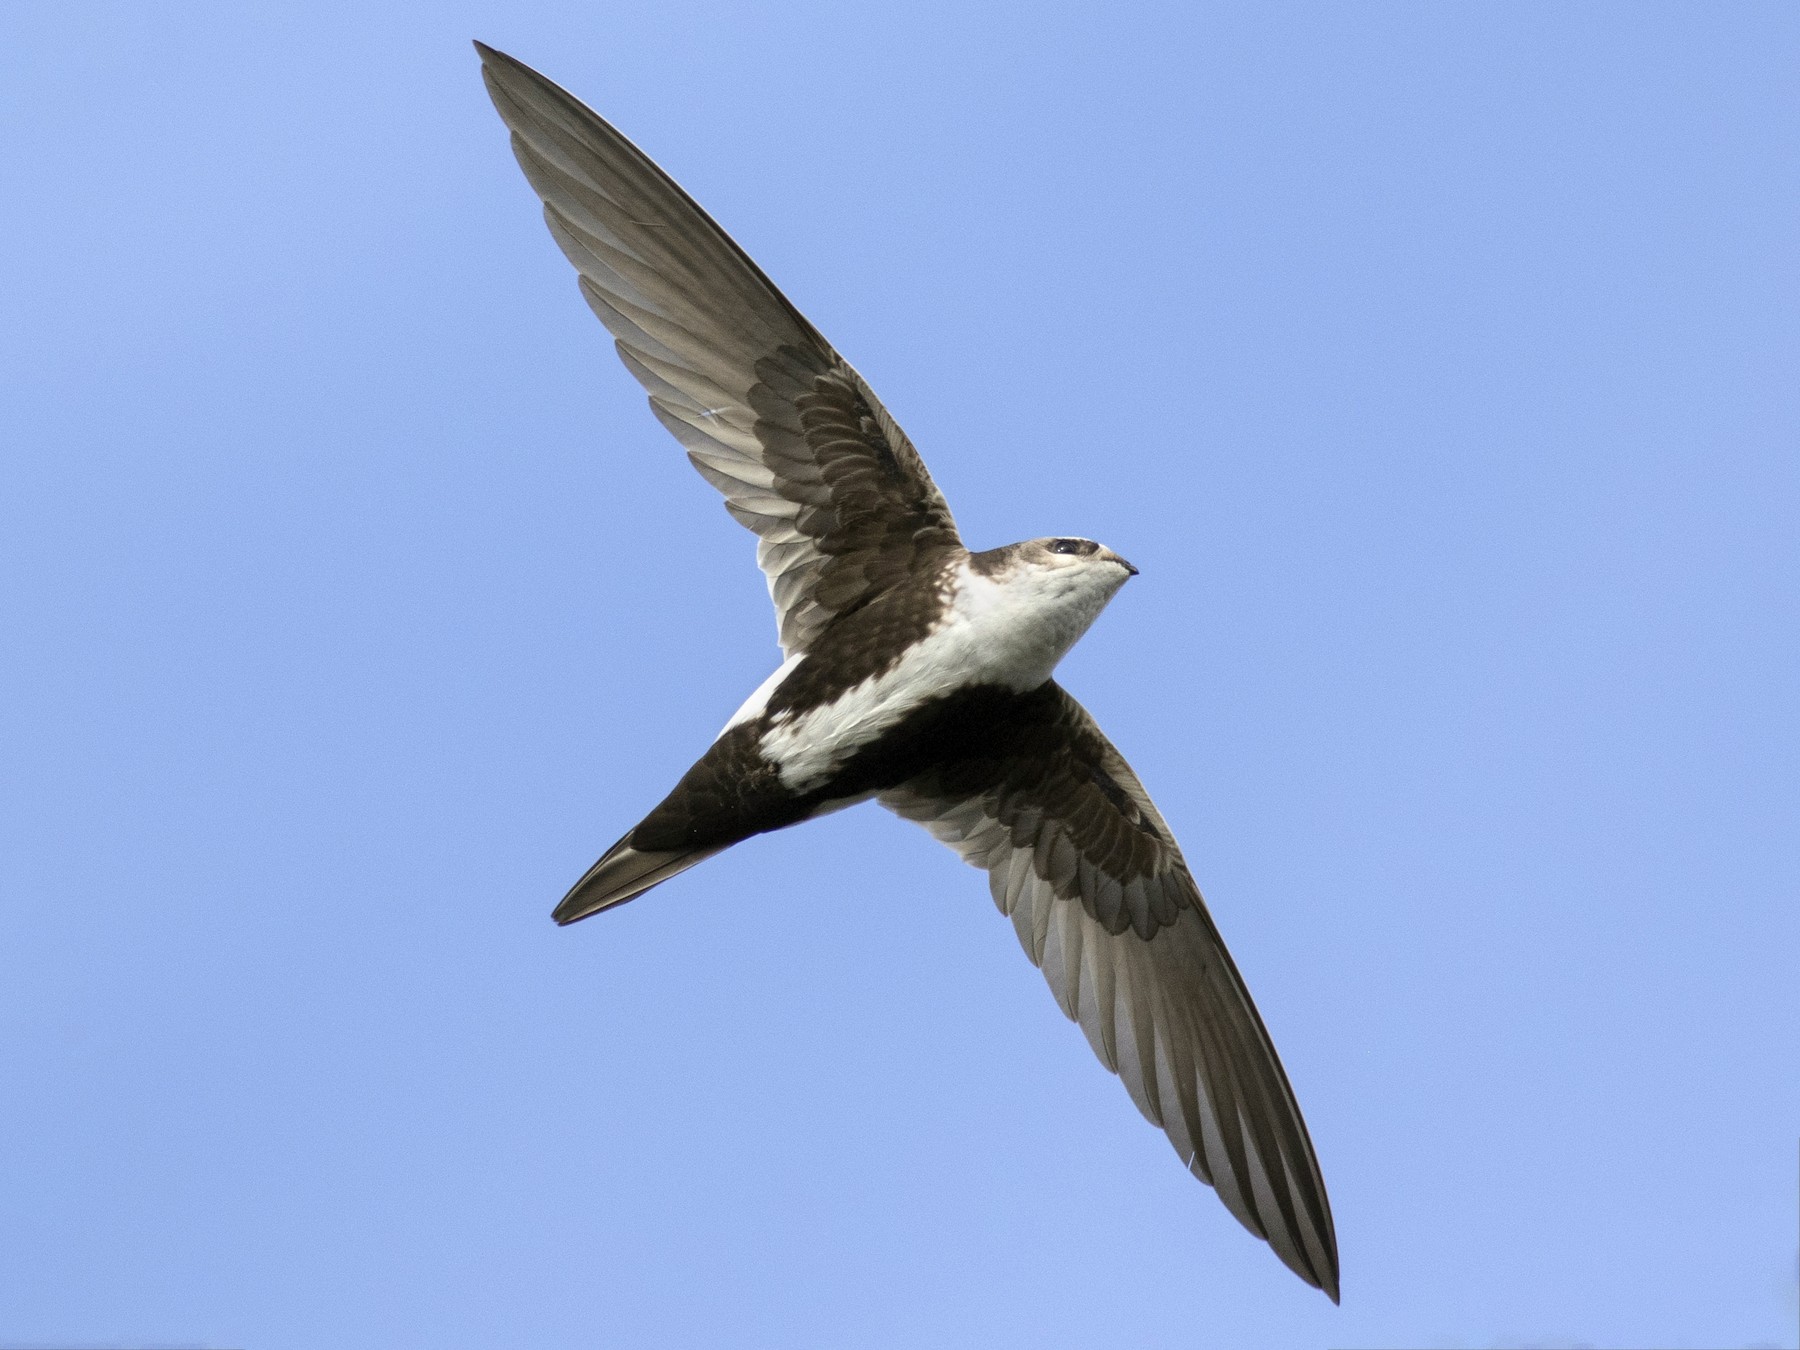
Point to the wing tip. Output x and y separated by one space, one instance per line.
1310 1254
1318 1268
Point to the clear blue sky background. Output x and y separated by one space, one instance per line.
1436 362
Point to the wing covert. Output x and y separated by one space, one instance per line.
770 415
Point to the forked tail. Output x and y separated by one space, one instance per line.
624 874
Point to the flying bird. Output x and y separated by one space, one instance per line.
917 673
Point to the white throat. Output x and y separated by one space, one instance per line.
1022 621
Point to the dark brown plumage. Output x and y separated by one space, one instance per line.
918 673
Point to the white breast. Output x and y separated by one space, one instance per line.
1008 630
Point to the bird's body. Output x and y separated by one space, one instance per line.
917 673
868 707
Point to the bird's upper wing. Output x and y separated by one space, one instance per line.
1087 870
773 417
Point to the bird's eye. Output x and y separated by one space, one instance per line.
1066 545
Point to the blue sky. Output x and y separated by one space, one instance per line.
1436 363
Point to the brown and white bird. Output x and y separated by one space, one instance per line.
917 673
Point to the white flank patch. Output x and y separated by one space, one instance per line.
754 705
1008 630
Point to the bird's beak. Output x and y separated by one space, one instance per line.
1113 557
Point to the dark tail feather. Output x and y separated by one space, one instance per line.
624 874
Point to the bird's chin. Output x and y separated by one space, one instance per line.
1109 556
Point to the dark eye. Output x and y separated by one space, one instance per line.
1068 545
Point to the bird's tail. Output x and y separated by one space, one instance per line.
625 873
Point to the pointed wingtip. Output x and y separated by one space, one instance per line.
1325 1279
494 60
1318 1268
1325 1276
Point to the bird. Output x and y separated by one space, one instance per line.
916 673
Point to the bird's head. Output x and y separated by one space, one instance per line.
1035 599
1077 576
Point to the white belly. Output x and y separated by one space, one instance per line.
1009 632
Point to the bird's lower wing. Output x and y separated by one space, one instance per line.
1084 865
